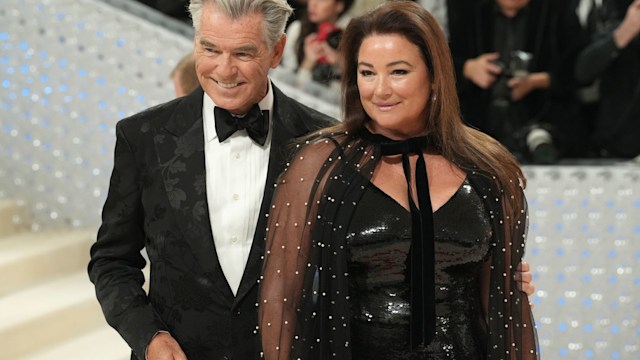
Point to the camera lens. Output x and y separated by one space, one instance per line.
541 147
333 39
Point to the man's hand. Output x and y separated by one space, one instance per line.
481 71
630 26
332 55
523 279
522 86
164 347
312 52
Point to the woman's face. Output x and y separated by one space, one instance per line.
394 85
320 11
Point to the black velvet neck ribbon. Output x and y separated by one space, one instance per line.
421 268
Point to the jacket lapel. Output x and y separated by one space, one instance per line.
180 148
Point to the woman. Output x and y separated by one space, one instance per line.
360 265
311 41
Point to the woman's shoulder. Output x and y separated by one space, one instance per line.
318 146
322 143
313 154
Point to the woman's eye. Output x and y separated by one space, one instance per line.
366 72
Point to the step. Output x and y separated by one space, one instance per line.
30 258
103 343
13 217
48 314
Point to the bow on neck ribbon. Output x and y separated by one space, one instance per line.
255 122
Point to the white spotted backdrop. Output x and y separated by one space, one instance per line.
69 69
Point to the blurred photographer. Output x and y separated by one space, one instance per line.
612 60
312 41
514 61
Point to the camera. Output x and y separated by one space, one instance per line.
541 147
329 33
333 38
537 144
324 72
516 64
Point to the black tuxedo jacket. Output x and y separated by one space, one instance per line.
157 199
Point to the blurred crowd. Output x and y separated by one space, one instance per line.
553 80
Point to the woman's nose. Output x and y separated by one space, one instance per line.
383 87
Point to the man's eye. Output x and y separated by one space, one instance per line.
210 50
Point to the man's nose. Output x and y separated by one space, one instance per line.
225 67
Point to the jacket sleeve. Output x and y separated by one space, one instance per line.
519 324
511 328
116 264
287 269
596 58
567 41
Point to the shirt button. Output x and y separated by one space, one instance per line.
236 196
236 155
234 238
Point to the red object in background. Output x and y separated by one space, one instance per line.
325 29
323 32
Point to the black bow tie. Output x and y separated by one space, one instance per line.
256 123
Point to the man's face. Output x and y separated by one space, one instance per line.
233 59
511 7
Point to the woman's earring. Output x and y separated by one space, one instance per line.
434 97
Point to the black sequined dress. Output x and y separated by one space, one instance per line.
378 246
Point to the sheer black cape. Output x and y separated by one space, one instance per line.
304 300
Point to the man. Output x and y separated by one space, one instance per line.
613 57
193 197
514 64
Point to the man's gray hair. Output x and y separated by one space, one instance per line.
275 13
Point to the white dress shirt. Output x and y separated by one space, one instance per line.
236 174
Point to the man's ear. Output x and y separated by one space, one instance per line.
278 50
